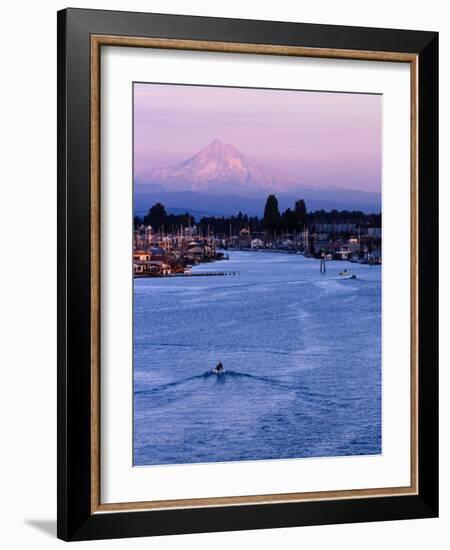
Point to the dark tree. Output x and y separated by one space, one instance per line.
300 213
271 220
176 221
137 222
288 220
156 216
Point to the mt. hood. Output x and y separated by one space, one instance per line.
220 169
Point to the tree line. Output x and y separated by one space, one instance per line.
273 220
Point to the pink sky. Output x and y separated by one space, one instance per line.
320 138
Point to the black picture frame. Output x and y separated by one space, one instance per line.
75 518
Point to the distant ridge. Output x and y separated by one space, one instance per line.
200 204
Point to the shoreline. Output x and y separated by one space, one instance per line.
297 253
220 273
196 274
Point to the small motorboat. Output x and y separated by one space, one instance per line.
218 369
347 274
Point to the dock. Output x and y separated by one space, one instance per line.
195 274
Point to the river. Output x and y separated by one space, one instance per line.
301 349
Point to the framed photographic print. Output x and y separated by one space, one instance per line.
247 274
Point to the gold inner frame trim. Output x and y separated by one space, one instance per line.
97 41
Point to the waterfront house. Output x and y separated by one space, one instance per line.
141 255
151 268
344 252
140 268
157 253
141 260
256 243
196 252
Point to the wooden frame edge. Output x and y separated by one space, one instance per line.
248 48
280 498
261 49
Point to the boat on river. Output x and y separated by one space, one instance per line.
218 369
347 274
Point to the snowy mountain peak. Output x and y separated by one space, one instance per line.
217 147
216 144
218 152
219 168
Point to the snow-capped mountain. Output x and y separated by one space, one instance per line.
220 180
220 169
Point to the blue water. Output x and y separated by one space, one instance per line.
302 351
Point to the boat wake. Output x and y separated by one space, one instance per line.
207 389
175 389
209 374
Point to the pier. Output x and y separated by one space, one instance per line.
195 274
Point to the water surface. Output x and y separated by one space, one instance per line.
302 351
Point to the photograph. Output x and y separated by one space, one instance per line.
257 274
